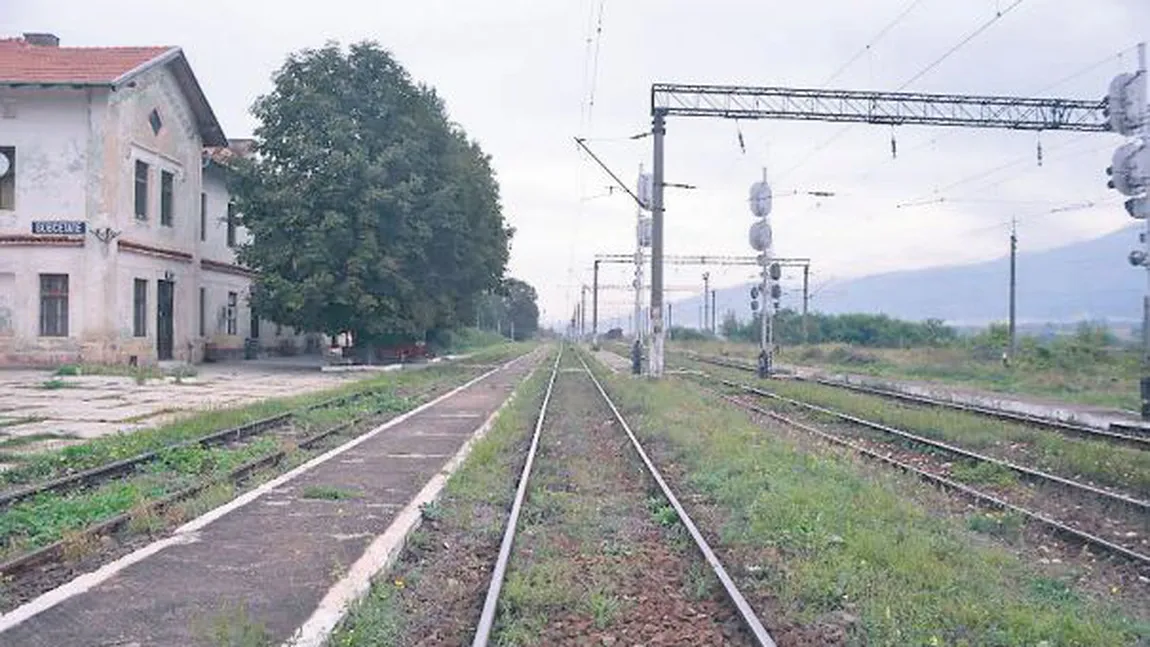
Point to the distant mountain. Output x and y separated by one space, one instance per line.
1088 280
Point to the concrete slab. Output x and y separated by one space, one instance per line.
91 406
274 558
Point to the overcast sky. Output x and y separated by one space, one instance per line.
517 75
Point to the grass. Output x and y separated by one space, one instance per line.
112 448
1111 381
52 516
56 384
329 493
15 422
1101 462
475 500
22 441
833 538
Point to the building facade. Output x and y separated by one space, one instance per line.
117 238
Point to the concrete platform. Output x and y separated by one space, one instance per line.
272 558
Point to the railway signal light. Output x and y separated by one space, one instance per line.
1129 169
1125 103
1137 258
776 291
776 272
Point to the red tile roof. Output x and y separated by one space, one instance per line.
21 62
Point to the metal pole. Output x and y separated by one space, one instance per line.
595 308
640 328
670 316
703 325
1013 255
806 298
1144 133
583 313
714 317
658 130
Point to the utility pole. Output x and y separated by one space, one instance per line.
658 131
1013 287
705 323
583 312
595 308
714 316
806 298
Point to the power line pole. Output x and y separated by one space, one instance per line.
659 131
806 298
714 316
583 313
703 325
595 308
1013 287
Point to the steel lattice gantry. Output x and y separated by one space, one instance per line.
889 108
859 106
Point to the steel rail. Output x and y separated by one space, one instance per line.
752 622
1139 504
107 471
1083 431
499 573
1053 524
52 551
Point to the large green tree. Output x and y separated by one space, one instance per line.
522 307
369 210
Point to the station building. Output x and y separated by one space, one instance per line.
117 232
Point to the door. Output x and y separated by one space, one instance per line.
165 330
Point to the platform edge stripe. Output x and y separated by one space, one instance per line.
385 549
187 533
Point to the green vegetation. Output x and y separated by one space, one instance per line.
348 231
832 538
50 517
880 331
1088 367
329 493
474 503
1126 468
104 450
56 384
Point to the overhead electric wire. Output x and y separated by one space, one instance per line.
962 43
873 41
918 75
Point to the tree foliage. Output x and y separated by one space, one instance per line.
369 210
512 309
878 331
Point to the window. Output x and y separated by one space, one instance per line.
231 224
140 308
203 216
255 333
8 179
53 305
231 313
155 122
166 179
141 190
203 312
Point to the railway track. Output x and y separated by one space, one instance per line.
1127 549
103 473
483 636
292 439
1128 436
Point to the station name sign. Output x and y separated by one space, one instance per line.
60 227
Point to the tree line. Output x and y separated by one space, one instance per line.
370 211
873 330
